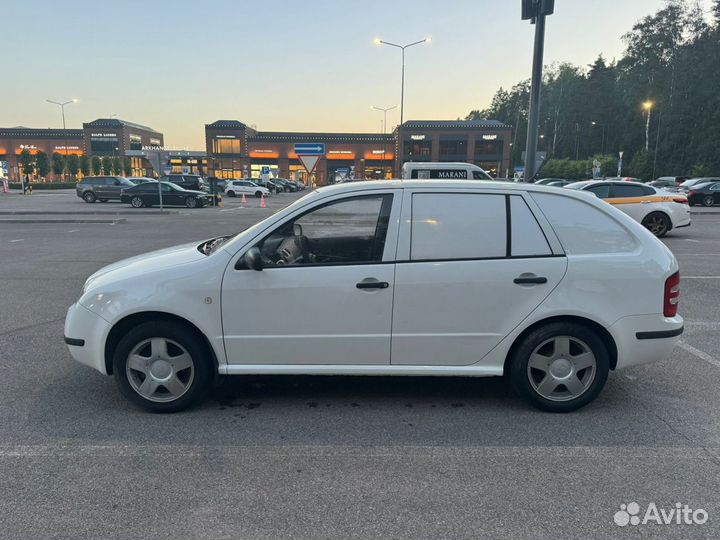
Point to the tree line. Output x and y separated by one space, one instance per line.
669 74
71 165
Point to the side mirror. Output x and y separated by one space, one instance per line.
253 259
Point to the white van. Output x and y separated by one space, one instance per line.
443 171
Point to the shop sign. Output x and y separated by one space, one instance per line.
225 137
28 147
489 137
103 134
155 142
340 152
417 137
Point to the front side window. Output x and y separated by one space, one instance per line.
627 190
458 226
348 231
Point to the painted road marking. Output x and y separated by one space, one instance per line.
698 353
17 240
699 277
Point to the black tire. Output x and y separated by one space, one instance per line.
202 365
191 202
520 376
137 202
89 197
708 201
231 194
258 194
657 223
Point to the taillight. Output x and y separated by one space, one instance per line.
681 200
672 295
691 193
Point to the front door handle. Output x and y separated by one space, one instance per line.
529 279
372 284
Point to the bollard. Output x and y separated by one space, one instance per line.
219 200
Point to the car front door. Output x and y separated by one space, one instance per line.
101 187
471 266
324 295
633 199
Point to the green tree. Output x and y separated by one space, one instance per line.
699 170
85 165
96 165
42 163
73 165
107 163
58 164
127 166
641 165
116 165
27 162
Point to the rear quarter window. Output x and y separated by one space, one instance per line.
582 228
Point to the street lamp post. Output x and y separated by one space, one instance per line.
62 110
384 129
402 48
647 106
602 144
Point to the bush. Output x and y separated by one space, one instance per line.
50 185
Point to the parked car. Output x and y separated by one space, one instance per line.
687 184
287 184
172 195
238 187
300 185
443 171
545 181
656 209
192 182
101 188
706 194
270 185
559 183
559 289
668 183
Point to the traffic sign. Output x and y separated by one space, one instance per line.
310 149
167 170
186 170
309 162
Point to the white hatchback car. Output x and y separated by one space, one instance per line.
553 287
236 188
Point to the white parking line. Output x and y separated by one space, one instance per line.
700 277
700 354
17 240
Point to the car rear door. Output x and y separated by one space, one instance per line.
633 199
471 266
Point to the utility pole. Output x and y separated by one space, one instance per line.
535 11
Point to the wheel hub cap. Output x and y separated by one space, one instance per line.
561 368
161 370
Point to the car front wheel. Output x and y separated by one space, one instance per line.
709 201
89 197
191 202
231 194
162 366
258 194
137 202
560 367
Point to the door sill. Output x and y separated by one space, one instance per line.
383 370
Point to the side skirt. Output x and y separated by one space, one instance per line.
378 370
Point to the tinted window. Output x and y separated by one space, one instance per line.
601 190
343 232
582 228
458 226
627 190
527 236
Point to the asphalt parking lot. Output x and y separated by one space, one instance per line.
350 457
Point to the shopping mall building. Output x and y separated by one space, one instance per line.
236 150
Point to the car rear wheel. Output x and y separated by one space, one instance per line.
137 202
191 202
560 367
709 200
231 194
657 223
162 367
89 197
258 194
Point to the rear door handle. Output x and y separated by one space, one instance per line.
374 284
530 280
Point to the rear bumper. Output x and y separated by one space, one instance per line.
641 339
85 335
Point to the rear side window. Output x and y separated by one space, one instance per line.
527 238
458 226
627 190
583 229
602 190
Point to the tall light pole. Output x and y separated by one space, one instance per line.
402 48
647 107
602 144
536 11
62 109
384 129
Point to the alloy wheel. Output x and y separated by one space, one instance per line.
709 201
561 368
136 202
656 224
160 369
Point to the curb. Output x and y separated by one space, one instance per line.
111 221
79 212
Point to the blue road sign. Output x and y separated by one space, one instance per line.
265 170
186 170
167 170
310 149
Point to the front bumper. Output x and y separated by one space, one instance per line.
641 339
84 326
